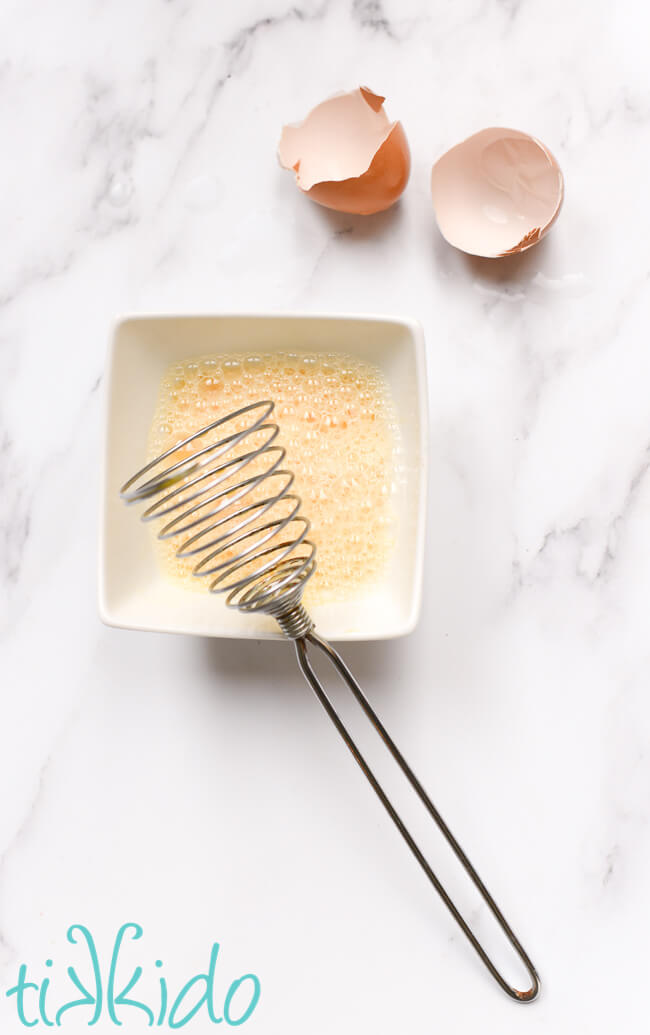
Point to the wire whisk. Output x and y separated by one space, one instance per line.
226 490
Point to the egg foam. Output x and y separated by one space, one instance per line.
339 428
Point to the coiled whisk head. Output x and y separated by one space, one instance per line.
225 489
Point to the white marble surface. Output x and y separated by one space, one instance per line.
195 787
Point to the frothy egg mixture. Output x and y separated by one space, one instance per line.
339 428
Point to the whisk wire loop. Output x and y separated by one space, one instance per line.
303 660
276 555
132 492
248 514
224 499
179 497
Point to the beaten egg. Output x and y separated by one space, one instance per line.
338 425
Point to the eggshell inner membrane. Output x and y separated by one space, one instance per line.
338 140
497 192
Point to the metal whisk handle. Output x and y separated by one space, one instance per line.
311 638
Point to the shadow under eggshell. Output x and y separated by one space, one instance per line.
496 193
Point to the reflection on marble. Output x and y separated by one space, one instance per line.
196 788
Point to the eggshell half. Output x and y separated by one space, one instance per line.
347 155
496 193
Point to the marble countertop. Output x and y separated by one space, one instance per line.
194 787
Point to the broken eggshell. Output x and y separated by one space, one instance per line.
497 193
347 155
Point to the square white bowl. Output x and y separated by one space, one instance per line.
133 592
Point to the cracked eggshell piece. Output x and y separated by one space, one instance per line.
347 154
497 193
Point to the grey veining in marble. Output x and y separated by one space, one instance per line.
194 787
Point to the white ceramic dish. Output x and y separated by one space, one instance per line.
133 593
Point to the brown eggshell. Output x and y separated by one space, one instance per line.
496 193
347 155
